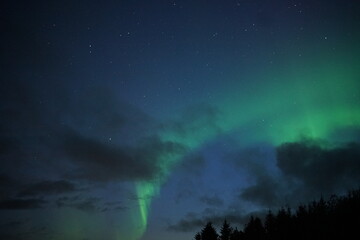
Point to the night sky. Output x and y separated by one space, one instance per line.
129 120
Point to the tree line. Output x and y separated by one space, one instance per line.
335 218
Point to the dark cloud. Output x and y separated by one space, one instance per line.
17 204
321 168
258 163
195 222
111 206
264 192
19 195
88 204
47 188
88 134
308 169
187 225
100 161
85 134
212 200
91 131
114 203
118 208
64 201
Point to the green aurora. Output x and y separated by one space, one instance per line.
313 102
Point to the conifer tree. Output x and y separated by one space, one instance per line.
209 232
197 236
225 231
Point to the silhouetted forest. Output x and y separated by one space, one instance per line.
336 218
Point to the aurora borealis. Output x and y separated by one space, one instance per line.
132 120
